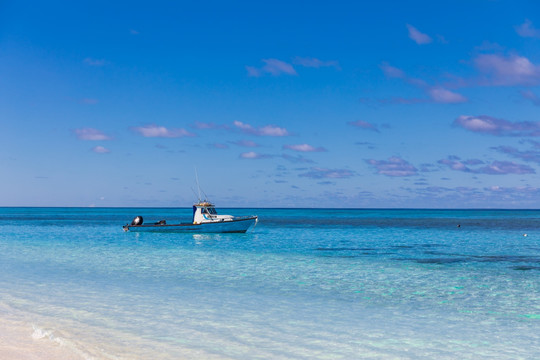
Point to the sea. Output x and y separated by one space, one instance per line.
303 284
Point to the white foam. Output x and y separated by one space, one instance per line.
40 334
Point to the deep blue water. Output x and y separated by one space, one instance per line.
304 284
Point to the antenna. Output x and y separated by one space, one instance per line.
194 192
198 186
205 196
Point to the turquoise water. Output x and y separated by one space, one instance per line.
304 284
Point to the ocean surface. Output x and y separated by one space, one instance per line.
304 284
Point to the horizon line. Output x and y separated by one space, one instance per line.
269 208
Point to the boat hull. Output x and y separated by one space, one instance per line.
228 226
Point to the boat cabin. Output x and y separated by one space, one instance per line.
204 212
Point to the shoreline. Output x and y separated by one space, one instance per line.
19 340
47 338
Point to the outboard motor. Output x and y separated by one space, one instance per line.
137 221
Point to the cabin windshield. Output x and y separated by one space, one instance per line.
212 211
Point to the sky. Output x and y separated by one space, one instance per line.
342 104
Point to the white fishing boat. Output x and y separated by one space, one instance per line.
205 220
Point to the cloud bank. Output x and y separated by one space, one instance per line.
527 155
393 167
499 127
323 173
495 168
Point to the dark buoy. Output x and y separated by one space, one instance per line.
459 225
137 221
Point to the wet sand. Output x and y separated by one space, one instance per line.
20 341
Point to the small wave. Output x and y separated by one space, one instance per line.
345 249
43 334
439 261
40 333
508 258
526 268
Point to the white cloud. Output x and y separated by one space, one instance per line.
323 173
437 94
253 71
528 30
394 167
508 71
499 127
304 148
254 155
495 168
278 67
268 130
249 155
90 134
161 131
273 67
417 36
243 126
479 123
271 130
315 63
391 71
100 150
441 95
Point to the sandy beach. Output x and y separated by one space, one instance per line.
22 339
19 340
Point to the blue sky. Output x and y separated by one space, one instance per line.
281 104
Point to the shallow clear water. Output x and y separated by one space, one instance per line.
305 284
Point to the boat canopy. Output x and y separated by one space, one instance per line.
202 208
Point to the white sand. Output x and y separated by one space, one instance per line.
20 341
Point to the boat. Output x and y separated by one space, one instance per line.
205 220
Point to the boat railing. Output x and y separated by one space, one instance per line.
246 217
